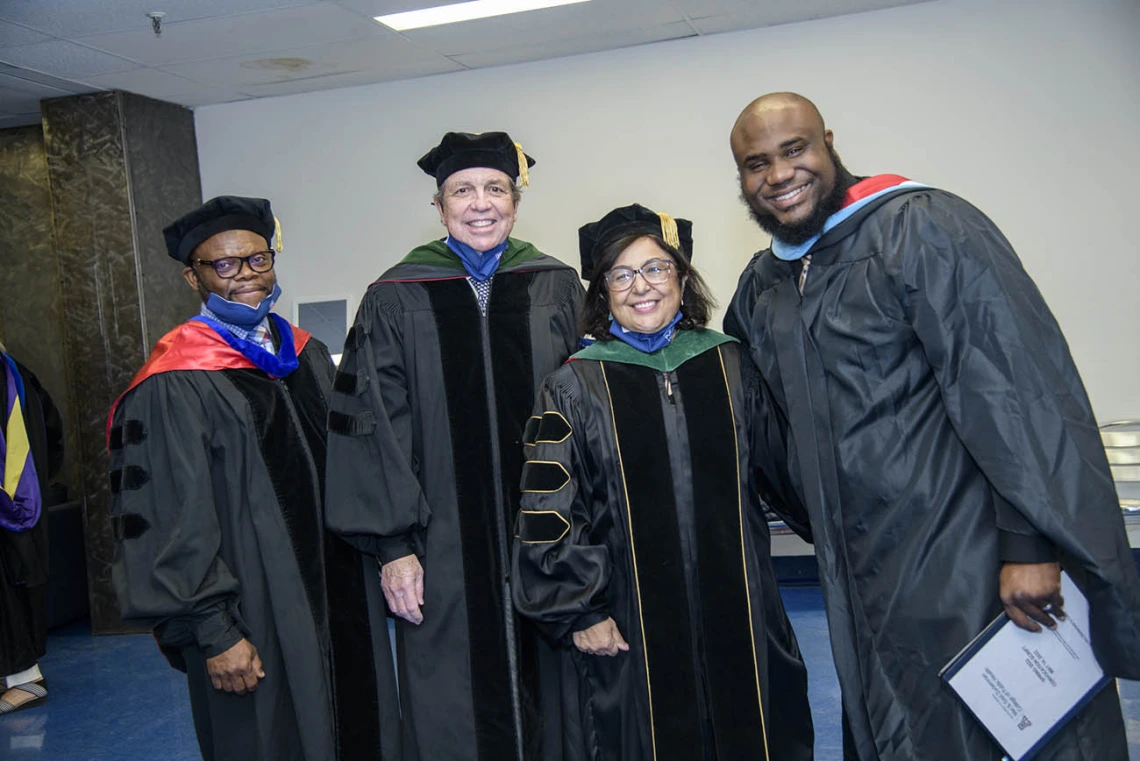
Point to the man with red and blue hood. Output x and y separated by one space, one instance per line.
938 445
217 475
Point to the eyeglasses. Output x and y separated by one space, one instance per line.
655 272
229 266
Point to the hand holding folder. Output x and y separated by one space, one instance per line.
1023 686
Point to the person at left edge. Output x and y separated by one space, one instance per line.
217 455
435 385
31 454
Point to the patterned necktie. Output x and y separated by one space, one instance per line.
803 272
482 293
263 338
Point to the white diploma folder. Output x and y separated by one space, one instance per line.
1023 686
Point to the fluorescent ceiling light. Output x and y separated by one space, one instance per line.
450 14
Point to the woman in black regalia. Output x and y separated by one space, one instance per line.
641 544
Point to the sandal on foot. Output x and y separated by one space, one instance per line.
38 689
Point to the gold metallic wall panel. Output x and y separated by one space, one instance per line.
118 164
31 308
162 157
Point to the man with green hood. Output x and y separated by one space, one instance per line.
436 383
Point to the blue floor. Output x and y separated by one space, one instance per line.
115 699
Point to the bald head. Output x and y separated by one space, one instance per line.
774 102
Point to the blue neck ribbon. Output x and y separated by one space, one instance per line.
275 366
480 265
243 315
646 342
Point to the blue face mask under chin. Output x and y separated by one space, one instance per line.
242 315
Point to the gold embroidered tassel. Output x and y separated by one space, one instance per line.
669 231
278 245
524 170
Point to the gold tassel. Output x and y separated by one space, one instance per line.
524 170
278 245
669 231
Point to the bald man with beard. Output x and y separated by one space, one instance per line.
926 426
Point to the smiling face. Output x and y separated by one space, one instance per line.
477 207
246 287
645 308
788 170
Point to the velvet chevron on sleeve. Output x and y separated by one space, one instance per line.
217 479
638 505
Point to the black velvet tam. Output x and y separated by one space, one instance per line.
634 219
215 216
464 150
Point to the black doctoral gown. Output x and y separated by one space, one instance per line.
424 456
933 411
216 481
24 554
638 505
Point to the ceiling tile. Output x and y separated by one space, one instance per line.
64 59
210 97
702 8
353 79
18 102
35 78
536 28
802 10
372 8
214 51
17 83
14 34
576 45
18 120
72 18
238 35
387 56
154 83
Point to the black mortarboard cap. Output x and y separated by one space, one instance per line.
464 150
632 220
218 215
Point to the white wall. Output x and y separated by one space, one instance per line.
1028 108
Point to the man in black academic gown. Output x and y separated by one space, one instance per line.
936 434
434 389
30 428
217 456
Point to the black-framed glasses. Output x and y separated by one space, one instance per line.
229 266
655 272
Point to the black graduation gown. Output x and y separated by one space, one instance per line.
424 455
933 409
24 554
637 504
216 500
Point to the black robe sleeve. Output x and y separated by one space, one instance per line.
560 575
1016 401
738 316
768 452
53 427
374 499
166 570
768 427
